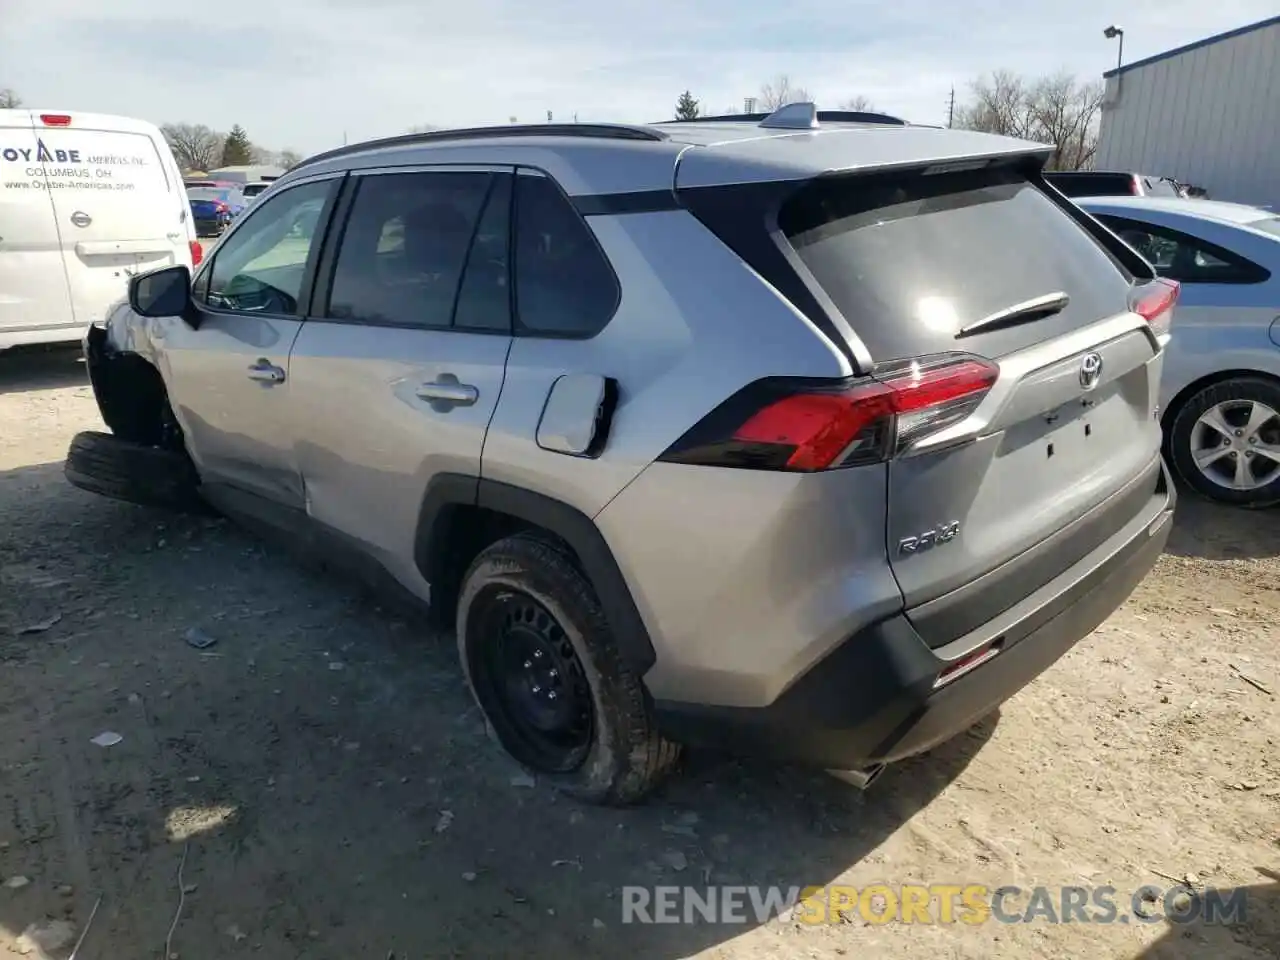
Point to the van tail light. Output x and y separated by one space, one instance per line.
55 119
807 425
197 252
1154 302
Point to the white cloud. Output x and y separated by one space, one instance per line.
304 73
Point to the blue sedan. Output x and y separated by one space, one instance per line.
1220 391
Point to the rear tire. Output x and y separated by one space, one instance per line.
105 464
1225 462
546 671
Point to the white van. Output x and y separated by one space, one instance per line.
86 201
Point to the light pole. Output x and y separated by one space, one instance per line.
1111 33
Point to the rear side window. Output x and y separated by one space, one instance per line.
914 260
564 285
405 246
1182 257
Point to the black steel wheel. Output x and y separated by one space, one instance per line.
546 670
533 680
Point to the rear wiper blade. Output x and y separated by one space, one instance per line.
1034 309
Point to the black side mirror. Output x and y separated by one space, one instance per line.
163 293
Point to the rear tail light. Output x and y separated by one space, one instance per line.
806 426
55 119
220 206
1154 302
197 252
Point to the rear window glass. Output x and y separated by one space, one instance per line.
912 259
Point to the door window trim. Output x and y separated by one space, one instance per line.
323 227
318 300
1251 273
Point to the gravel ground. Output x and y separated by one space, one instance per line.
323 786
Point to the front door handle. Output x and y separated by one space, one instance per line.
264 371
448 392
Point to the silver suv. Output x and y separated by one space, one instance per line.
809 436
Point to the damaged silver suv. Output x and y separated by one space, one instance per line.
814 436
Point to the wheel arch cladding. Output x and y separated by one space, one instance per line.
463 514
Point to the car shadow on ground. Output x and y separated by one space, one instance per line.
325 775
1255 930
1216 532
42 368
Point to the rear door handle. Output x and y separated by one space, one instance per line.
448 392
264 371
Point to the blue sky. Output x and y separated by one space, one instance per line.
302 73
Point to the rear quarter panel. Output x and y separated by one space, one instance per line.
693 326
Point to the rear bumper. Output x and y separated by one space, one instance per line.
874 700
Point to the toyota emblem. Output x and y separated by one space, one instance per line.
81 219
1090 370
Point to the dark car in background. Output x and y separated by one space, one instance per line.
213 208
1104 183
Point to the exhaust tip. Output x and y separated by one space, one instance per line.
862 778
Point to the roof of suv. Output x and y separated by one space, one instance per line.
622 158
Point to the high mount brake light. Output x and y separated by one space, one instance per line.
55 119
806 426
1154 302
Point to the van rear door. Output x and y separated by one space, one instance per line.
34 304
119 204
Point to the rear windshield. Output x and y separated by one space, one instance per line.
912 259
204 193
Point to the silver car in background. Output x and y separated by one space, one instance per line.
1220 392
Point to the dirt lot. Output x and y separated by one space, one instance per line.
324 787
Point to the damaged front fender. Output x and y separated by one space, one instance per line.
129 391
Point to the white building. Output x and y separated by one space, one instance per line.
246 174
1207 114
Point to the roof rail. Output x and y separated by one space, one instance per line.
605 131
822 116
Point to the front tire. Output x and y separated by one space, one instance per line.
1224 442
546 671
107 465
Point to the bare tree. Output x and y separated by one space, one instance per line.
780 92
422 128
194 146
1066 114
1057 109
859 104
9 99
288 159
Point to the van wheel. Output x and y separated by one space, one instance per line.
1224 442
105 464
545 669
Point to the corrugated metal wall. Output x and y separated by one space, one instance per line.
1209 116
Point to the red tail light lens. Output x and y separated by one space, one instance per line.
197 253
55 119
809 426
1154 302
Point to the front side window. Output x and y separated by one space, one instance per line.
1182 257
405 247
260 267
